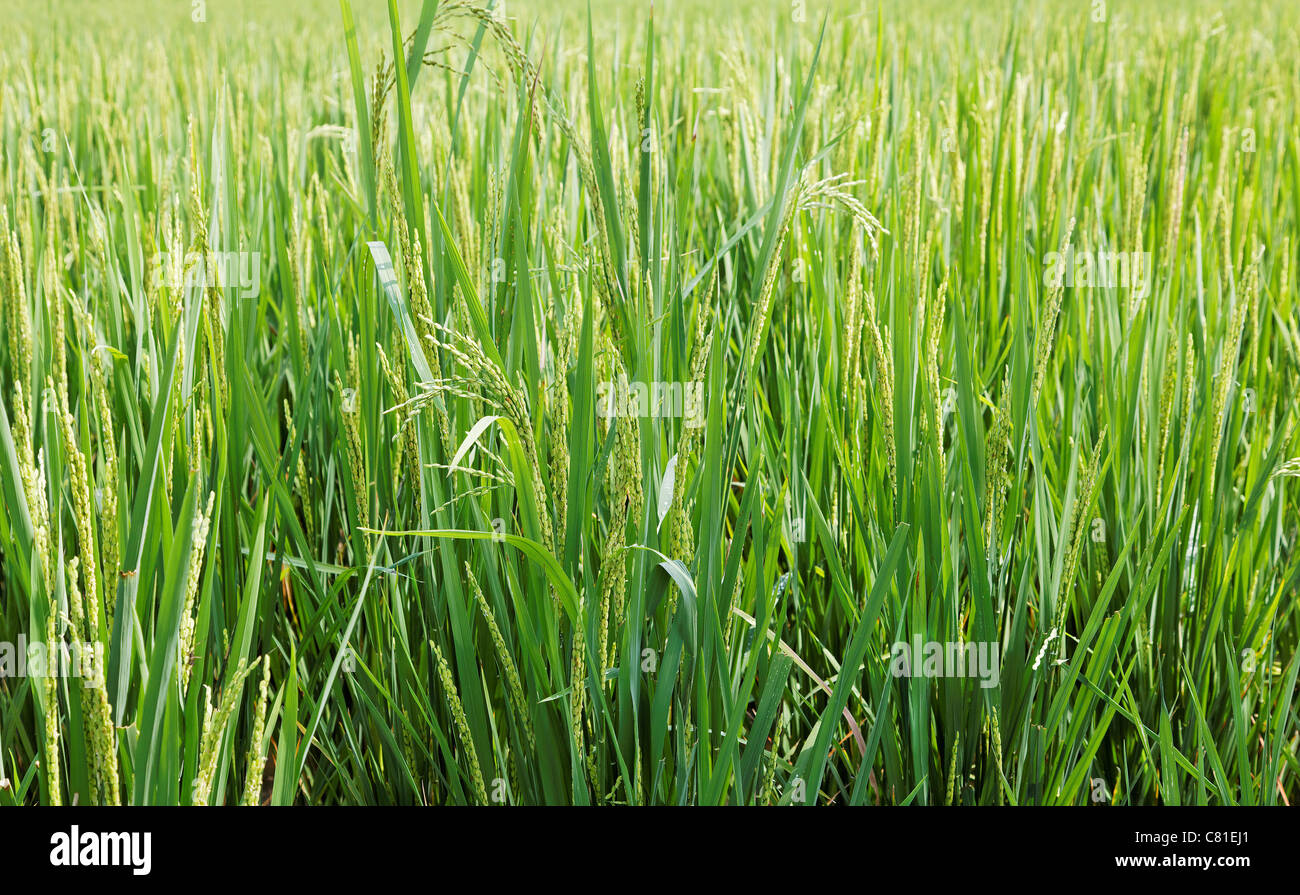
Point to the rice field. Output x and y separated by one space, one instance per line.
791 403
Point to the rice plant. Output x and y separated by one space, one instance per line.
457 402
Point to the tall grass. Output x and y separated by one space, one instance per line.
365 534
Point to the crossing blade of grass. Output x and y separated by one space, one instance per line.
163 683
812 763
